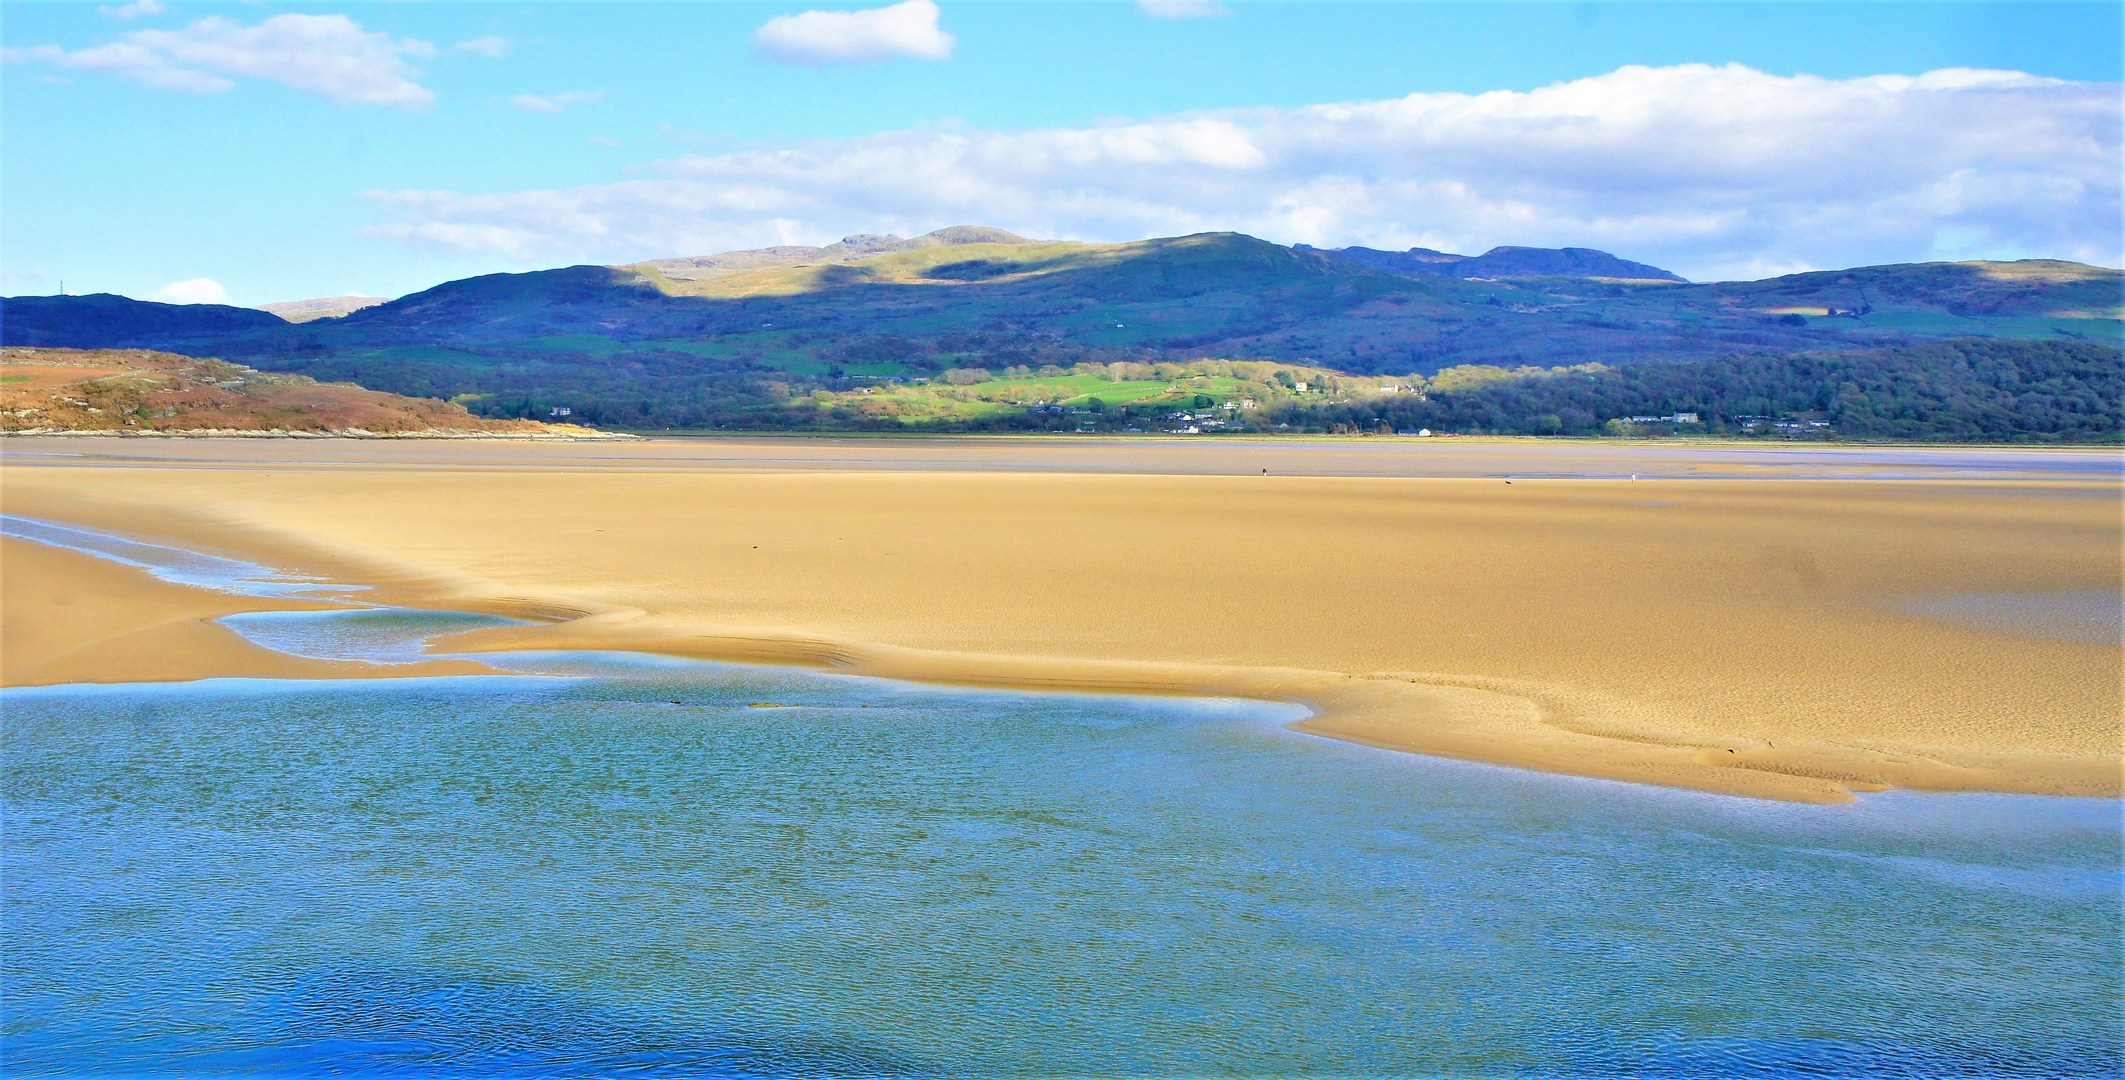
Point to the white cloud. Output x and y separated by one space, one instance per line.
329 55
554 103
850 37
1714 172
134 10
142 65
194 291
1183 9
486 45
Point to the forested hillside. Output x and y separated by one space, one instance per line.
1968 390
976 329
1214 295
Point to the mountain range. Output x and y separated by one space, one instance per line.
1502 262
734 331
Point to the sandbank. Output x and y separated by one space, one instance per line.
66 617
1725 622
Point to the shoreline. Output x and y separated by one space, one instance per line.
1486 721
103 622
2114 448
356 434
543 560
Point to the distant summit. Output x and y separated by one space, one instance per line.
330 307
1501 262
848 249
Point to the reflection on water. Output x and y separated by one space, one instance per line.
2092 616
621 868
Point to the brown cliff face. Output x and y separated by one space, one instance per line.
55 390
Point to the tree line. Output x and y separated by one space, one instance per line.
1974 389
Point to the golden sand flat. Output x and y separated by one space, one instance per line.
1727 621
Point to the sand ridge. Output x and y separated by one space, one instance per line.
75 618
1724 634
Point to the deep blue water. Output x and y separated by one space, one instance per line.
635 866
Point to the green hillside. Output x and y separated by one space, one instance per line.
880 331
1215 295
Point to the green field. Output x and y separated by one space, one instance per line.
962 395
1941 324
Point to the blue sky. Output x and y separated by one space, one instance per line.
673 128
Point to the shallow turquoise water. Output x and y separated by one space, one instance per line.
627 869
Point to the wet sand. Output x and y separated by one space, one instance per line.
1725 622
67 617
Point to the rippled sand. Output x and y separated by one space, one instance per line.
1724 621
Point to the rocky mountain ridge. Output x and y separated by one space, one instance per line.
1503 262
848 249
326 307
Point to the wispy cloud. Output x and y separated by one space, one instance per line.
1183 9
553 103
134 10
851 37
12 281
142 65
194 291
329 55
487 45
1710 171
